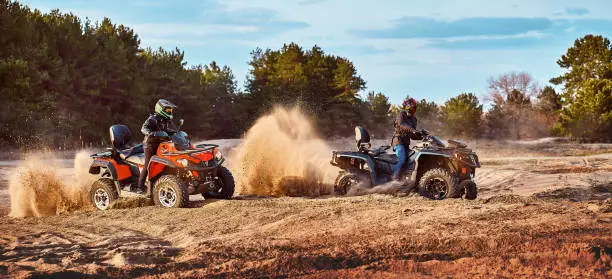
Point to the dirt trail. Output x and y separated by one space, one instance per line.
529 175
375 235
541 214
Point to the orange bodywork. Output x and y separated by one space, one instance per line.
123 171
205 155
166 147
155 169
170 158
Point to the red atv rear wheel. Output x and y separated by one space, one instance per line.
103 193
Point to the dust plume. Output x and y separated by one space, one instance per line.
40 188
282 155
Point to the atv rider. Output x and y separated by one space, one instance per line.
405 129
157 123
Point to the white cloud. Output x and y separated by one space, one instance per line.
162 30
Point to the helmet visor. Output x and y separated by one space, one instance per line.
168 110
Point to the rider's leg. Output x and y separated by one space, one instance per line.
149 151
400 151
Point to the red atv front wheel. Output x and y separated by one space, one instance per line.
170 191
225 184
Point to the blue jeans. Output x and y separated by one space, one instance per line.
400 151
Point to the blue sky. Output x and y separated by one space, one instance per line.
429 49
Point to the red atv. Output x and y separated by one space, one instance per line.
177 170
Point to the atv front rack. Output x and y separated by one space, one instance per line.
198 148
207 146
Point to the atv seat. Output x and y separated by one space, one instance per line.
137 158
130 152
121 139
376 152
389 158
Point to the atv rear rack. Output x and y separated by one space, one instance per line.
107 153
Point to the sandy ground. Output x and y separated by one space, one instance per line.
544 210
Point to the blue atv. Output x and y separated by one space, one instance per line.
439 169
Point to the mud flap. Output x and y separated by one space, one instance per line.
409 179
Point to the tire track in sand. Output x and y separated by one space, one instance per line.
529 175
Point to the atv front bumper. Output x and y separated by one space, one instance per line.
206 166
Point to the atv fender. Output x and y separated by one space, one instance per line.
422 153
426 154
359 156
118 171
98 164
158 165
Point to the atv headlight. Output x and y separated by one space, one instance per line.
183 162
219 155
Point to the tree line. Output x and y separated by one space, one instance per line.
521 108
64 81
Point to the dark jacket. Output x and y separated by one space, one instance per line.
405 129
153 124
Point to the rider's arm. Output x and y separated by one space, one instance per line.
402 124
149 126
171 127
415 135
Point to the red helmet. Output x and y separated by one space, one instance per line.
410 104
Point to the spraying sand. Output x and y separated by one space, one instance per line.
38 188
282 155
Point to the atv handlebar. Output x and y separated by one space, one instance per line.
425 135
160 134
164 134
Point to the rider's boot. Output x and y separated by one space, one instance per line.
137 190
